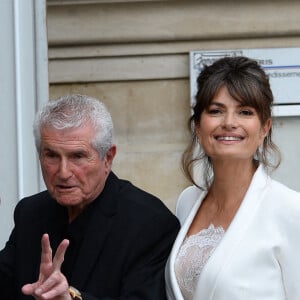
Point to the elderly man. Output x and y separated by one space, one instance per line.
90 235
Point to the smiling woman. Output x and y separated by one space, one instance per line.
244 81
240 219
229 130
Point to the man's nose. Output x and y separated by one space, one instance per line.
65 171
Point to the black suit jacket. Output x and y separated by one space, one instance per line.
123 253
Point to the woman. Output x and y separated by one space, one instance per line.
240 235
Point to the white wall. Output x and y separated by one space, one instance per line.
287 138
134 54
23 87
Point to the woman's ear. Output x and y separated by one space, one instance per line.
197 131
266 128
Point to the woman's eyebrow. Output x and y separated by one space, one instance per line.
217 103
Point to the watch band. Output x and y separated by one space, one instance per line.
75 294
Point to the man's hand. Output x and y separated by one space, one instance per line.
52 284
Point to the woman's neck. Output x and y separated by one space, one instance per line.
231 182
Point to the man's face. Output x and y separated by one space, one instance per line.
72 169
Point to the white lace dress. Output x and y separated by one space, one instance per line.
192 257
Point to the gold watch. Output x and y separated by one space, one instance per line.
75 294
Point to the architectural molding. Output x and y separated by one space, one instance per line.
24 85
85 2
165 21
92 41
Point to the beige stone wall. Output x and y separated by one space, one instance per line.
133 55
149 119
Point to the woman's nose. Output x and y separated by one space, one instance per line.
229 121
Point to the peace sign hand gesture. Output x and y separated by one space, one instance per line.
52 284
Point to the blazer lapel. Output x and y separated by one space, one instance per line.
223 254
98 229
178 242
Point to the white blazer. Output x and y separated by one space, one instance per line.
259 256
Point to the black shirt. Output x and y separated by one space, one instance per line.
75 233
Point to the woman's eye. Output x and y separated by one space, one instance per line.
214 111
246 112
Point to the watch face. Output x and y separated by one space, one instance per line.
75 294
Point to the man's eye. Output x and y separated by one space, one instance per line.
50 154
78 155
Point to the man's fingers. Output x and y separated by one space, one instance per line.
60 254
54 286
46 256
28 289
51 282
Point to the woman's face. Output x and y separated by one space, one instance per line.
229 131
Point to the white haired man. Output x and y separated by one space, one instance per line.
110 239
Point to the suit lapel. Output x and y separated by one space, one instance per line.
98 229
51 223
224 253
178 242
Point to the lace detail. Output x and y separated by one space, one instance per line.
192 257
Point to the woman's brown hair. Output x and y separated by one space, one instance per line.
247 83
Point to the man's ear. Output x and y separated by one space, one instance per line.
110 155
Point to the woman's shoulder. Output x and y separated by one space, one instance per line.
282 205
187 200
284 195
276 189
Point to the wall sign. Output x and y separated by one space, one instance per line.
281 64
